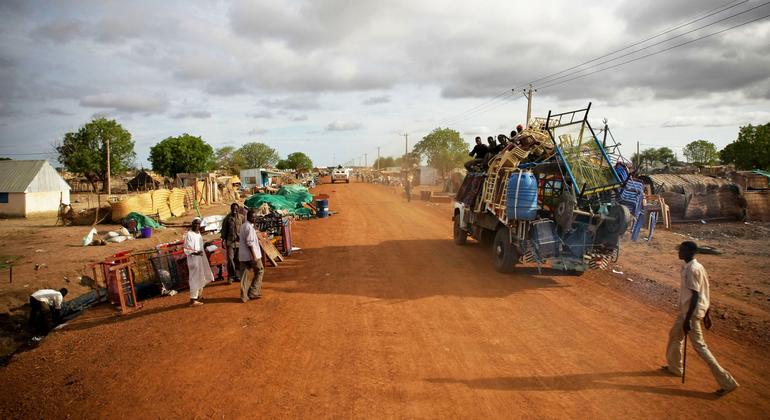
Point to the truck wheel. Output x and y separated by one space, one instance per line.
460 236
487 237
503 251
347 181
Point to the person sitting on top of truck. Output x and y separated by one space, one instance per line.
478 153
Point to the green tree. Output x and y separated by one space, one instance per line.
665 156
701 152
5 158
85 151
229 160
257 155
443 148
651 157
751 150
182 154
296 160
383 162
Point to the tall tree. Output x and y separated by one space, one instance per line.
228 159
751 150
651 157
383 162
257 155
85 151
443 148
181 154
296 160
701 152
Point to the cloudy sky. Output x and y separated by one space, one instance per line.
336 79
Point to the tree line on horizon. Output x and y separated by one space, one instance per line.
84 152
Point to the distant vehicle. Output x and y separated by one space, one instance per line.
341 174
553 194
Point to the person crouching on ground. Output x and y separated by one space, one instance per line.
693 309
230 228
42 301
250 258
197 262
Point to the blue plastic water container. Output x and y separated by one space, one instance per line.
322 208
522 196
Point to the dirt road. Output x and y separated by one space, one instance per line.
381 315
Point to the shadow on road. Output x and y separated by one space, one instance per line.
404 270
577 382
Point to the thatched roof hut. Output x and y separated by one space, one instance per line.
698 197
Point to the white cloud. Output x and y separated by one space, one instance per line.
258 131
343 126
374 100
127 102
192 114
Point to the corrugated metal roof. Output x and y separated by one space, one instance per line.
16 175
761 172
30 176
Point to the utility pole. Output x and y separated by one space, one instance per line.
406 143
528 94
378 158
366 162
109 187
638 158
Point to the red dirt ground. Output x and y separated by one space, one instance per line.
381 315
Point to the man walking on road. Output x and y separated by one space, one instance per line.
197 262
250 258
231 226
693 309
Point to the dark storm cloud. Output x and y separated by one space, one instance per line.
59 31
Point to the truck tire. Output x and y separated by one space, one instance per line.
460 236
347 181
503 252
487 237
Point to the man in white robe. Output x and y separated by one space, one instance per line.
197 262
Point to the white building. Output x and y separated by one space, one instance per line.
31 188
259 177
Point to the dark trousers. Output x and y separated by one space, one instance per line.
41 316
231 249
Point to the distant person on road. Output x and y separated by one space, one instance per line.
693 310
45 310
250 258
408 180
478 153
197 262
231 226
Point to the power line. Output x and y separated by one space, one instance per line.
656 53
710 13
656 44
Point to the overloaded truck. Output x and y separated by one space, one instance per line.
553 194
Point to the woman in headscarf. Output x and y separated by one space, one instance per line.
197 262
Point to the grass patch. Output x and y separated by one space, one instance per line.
7 260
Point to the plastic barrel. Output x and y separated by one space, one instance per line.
146 232
322 208
522 196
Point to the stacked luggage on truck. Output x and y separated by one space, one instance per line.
552 194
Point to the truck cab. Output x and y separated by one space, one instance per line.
341 174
